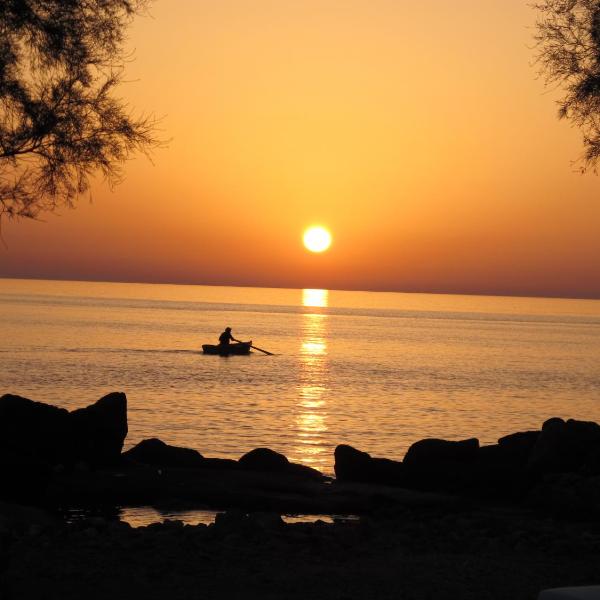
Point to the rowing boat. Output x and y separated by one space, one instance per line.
227 349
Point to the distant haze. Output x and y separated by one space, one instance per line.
416 132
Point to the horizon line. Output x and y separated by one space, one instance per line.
280 287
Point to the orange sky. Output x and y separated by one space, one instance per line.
416 131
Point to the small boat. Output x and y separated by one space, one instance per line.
227 349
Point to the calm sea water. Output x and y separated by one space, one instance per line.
375 370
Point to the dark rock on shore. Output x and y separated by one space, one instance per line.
156 453
516 448
37 439
269 461
354 465
54 457
446 466
564 446
499 473
35 430
501 469
218 489
22 477
556 470
220 464
432 452
54 436
100 429
264 459
434 464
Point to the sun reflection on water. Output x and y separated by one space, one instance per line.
311 409
317 298
313 348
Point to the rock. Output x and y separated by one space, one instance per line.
54 436
546 453
220 464
564 446
500 468
387 472
434 464
432 452
33 437
156 453
516 447
269 461
305 472
490 455
34 429
23 478
499 473
264 459
354 465
99 430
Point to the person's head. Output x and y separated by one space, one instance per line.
228 329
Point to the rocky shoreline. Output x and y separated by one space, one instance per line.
453 519
461 553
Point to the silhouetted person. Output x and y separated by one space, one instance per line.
226 337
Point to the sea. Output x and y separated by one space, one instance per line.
375 370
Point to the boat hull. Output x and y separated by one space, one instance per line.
227 349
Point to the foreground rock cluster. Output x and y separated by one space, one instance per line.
452 520
52 457
557 466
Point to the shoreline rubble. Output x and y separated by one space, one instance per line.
54 458
453 519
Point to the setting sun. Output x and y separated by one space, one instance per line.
317 239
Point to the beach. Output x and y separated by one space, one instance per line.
472 553
453 519
394 447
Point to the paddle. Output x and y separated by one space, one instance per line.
261 350
255 348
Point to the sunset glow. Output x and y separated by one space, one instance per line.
283 278
383 120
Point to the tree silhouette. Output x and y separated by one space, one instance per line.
60 61
568 42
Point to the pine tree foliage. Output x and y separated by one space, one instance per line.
60 121
568 43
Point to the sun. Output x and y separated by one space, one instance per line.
317 239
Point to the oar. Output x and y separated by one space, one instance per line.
261 350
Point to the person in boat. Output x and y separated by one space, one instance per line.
226 337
